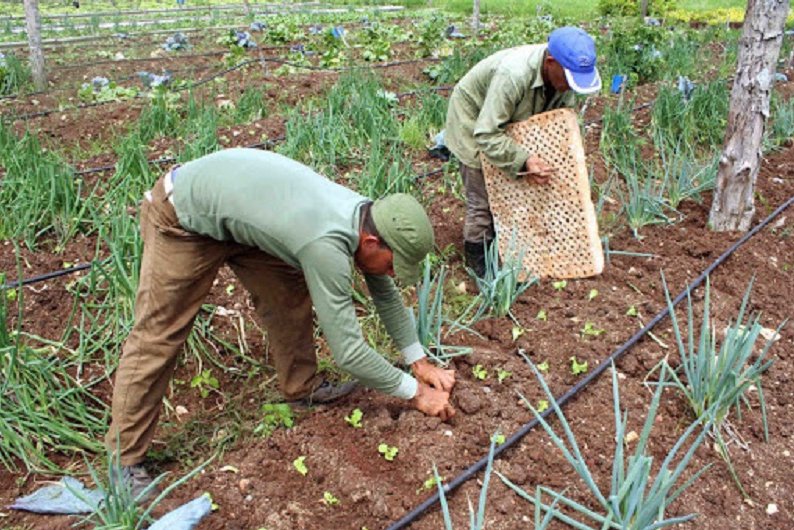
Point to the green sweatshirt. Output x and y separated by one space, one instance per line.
285 209
504 88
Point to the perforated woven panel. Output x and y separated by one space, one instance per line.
555 224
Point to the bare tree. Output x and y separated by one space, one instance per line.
759 47
33 22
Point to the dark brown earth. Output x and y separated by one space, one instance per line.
264 490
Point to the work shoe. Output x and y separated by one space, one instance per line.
327 392
139 483
474 252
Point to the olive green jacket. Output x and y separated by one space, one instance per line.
504 88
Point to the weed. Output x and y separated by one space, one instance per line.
205 382
274 415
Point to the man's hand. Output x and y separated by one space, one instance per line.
537 171
433 402
426 372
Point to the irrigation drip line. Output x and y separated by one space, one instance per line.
602 367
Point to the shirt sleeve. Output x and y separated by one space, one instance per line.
395 316
327 270
489 130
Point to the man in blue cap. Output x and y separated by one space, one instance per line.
510 86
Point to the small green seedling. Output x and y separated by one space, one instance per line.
205 382
498 438
517 332
589 330
632 312
544 367
542 315
300 465
543 405
230 289
560 285
479 372
577 367
388 451
355 418
502 375
592 294
429 484
329 499
11 295
274 415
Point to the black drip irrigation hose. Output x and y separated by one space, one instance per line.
602 367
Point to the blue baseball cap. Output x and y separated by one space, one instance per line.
575 50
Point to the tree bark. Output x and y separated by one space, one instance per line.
475 18
33 23
759 47
644 8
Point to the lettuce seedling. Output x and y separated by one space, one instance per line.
355 418
560 285
300 466
389 452
502 375
577 367
479 372
542 315
589 330
329 499
592 294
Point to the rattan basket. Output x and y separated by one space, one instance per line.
553 226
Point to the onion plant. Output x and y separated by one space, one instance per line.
718 381
39 195
636 500
504 281
781 128
45 409
14 74
430 317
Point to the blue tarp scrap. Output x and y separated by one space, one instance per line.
60 498
67 498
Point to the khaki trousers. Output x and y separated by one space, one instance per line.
478 225
177 271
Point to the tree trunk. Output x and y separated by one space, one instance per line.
33 22
759 47
475 18
247 7
644 8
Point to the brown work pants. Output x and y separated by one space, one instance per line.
478 225
177 271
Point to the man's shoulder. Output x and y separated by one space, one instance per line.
521 61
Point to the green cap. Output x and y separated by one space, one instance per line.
404 226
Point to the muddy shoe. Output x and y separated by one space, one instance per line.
139 482
328 392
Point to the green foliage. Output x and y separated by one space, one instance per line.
389 452
377 43
590 330
300 465
39 194
251 105
479 372
502 283
430 35
636 499
718 381
635 49
330 499
632 7
205 382
781 129
274 415
200 134
355 418
45 409
284 31
14 74
578 368
91 93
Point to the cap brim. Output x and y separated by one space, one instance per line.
583 82
407 273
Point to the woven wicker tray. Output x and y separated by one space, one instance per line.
553 225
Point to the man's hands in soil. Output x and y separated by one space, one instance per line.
432 394
433 402
537 171
426 372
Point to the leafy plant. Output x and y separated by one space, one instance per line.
300 465
636 499
205 382
274 415
329 499
14 74
355 418
589 330
501 375
577 367
389 452
100 90
560 285
479 372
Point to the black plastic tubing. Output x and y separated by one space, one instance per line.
523 431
